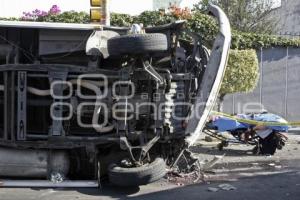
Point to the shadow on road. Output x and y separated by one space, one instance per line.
111 191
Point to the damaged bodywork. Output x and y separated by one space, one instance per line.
83 101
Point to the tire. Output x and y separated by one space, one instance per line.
128 177
268 145
137 44
220 146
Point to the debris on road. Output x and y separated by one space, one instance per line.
227 187
185 170
208 165
272 164
278 167
212 189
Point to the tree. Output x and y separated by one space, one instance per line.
246 15
241 75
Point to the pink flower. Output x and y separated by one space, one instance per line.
54 10
44 13
37 14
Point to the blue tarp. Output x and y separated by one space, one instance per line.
226 124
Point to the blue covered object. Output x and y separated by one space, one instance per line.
226 124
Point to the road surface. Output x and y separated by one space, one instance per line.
253 177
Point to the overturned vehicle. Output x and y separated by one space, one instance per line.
79 102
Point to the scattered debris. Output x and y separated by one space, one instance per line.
227 187
184 179
206 166
278 167
213 189
185 170
57 177
272 164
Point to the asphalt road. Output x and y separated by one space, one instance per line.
253 177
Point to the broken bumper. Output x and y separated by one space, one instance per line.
212 79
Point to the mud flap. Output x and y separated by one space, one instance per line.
212 79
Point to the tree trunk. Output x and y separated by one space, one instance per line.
220 102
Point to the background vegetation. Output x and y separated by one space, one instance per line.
242 71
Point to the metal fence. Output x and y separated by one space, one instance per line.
278 90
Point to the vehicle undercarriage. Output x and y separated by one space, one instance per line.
79 104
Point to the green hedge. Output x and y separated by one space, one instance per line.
198 22
207 27
242 72
9 19
256 41
121 19
65 17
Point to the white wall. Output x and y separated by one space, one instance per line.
15 8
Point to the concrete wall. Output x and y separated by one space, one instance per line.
288 18
278 89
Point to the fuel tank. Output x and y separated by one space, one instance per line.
32 163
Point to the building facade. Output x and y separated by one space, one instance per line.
287 18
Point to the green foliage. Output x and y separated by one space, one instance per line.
204 25
197 22
9 19
153 18
246 15
242 40
207 28
242 72
122 20
67 17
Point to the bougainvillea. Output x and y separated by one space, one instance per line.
39 15
54 10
